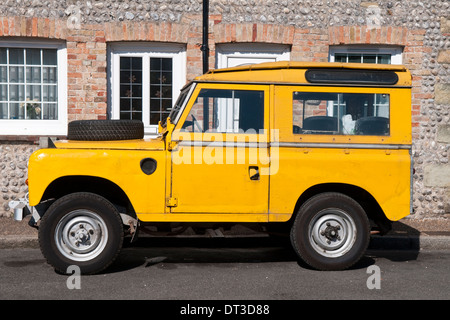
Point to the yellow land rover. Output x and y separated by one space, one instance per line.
324 148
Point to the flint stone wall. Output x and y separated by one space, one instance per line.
422 29
13 167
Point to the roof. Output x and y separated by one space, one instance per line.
294 72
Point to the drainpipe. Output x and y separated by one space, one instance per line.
205 54
204 48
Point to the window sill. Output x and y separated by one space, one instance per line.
42 141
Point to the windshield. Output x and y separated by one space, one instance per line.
181 101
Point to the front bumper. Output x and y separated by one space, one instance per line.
22 209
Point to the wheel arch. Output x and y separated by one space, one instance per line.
103 187
363 197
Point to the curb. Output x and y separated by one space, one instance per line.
409 242
13 242
387 242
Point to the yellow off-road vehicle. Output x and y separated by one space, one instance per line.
324 148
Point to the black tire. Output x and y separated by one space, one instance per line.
331 232
81 229
104 130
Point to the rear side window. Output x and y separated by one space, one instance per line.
341 113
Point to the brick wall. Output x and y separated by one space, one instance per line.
422 29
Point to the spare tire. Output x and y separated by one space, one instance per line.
103 130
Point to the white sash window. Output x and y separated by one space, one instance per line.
145 81
33 86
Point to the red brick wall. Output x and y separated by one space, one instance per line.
87 49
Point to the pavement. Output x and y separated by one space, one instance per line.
406 234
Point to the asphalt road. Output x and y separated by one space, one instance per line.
227 269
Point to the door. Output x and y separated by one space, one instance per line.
219 164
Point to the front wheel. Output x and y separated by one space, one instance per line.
331 232
81 229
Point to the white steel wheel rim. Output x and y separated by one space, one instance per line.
81 235
332 233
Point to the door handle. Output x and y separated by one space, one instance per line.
253 172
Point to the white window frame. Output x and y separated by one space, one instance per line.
394 51
253 52
37 127
249 53
145 50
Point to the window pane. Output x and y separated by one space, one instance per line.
131 76
16 56
34 110
125 63
3 53
136 63
155 105
354 58
166 105
3 74
33 56
16 111
340 57
33 74
33 93
16 74
50 93
50 111
136 91
136 105
49 57
136 116
384 58
166 65
49 75
340 113
131 88
3 92
16 93
3 110
160 88
125 105
370 58
155 64
155 117
226 111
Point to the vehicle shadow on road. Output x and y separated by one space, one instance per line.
168 252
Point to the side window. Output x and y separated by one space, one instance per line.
226 111
341 113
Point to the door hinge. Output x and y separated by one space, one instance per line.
172 145
172 202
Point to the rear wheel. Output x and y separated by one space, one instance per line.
331 232
81 229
